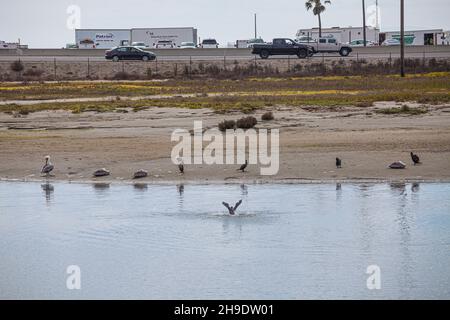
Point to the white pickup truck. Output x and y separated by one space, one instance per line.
327 45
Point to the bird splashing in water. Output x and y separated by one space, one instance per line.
232 210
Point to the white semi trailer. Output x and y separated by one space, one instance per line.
102 38
151 36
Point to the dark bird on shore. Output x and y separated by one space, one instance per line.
140 174
101 173
243 167
415 158
232 210
48 166
338 163
180 165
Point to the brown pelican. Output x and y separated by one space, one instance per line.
140 174
415 158
232 210
101 173
48 167
243 167
338 163
397 165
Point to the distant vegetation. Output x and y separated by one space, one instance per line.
223 96
405 109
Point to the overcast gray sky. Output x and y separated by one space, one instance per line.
42 23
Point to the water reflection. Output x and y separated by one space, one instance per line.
101 188
140 186
338 192
48 191
180 189
244 190
399 187
315 249
415 187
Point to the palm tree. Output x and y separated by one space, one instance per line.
317 8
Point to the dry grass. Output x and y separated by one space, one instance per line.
227 95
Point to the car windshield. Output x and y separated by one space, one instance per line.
211 41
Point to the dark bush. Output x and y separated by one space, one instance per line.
227 124
268 116
33 73
17 66
121 76
246 122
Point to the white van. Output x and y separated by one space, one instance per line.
209 44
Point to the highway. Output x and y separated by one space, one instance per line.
79 55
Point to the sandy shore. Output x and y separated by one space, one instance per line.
310 140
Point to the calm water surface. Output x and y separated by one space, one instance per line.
177 242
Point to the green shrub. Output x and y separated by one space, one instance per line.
246 122
227 124
268 116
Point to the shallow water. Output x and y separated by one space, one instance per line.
178 242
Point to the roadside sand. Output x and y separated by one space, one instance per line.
310 140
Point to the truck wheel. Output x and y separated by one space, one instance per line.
344 52
144 58
116 58
302 54
264 54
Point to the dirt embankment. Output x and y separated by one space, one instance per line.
310 139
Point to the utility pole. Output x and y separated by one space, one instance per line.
377 24
256 30
402 38
364 22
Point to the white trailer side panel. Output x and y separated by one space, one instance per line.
101 38
151 35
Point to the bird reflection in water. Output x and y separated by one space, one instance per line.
48 191
399 187
101 188
415 187
140 186
180 189
244 190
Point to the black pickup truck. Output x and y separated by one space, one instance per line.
284 47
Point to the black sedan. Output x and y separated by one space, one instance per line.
129 53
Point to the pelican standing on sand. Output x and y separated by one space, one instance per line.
48 166
101 173
140 174
232 210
